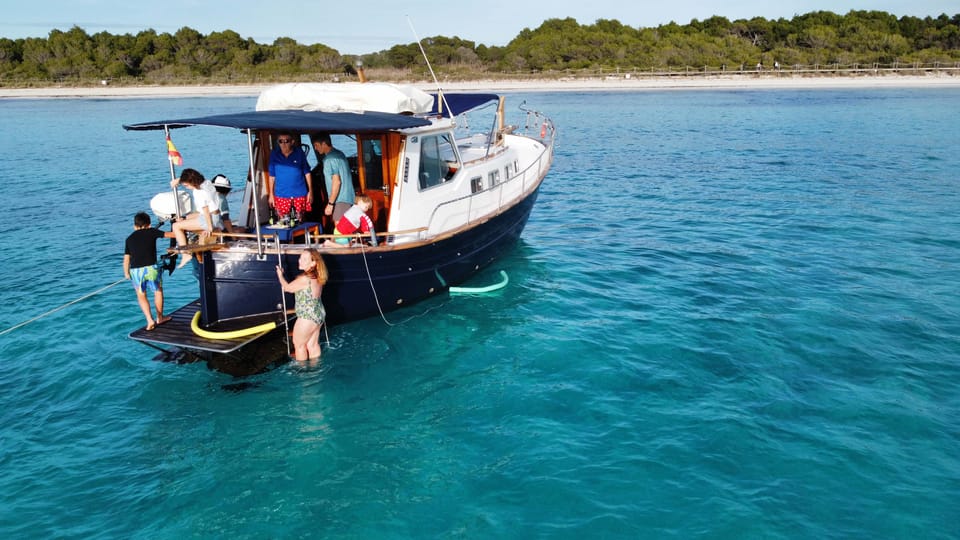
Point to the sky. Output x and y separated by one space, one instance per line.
376 25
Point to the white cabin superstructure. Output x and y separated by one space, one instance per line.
436 182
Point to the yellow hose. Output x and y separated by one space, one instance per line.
195 326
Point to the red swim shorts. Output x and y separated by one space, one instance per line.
282 204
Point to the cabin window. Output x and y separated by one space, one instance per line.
438 160
371 152
476 184
494 177
506 173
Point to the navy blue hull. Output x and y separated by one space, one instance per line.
236 285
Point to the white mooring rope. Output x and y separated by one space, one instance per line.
68 304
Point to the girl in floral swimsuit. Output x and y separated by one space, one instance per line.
306 289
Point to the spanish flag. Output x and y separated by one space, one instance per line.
173 153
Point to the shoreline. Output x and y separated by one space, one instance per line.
618 83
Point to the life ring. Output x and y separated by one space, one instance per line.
195 326
488 288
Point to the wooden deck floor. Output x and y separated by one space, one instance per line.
177 332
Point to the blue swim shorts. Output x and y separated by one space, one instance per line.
146 279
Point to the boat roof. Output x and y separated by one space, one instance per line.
344 97
365 97
335 108
300 121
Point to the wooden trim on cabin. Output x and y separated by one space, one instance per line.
197 248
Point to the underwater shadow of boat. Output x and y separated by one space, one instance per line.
257 358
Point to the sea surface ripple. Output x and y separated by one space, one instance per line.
733 314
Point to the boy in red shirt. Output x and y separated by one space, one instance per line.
353 221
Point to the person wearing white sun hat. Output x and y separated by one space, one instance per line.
222 185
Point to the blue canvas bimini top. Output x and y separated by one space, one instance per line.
313 121
297 121
459 103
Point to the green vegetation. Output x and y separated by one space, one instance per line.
859 38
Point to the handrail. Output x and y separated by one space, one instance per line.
270 237
255 189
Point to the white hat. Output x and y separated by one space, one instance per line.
221 181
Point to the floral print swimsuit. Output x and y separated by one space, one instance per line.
307 307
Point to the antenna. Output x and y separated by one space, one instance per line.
440 97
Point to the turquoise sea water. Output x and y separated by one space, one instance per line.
733 314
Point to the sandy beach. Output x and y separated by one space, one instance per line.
618 83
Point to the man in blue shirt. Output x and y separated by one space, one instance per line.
289 183
337 176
